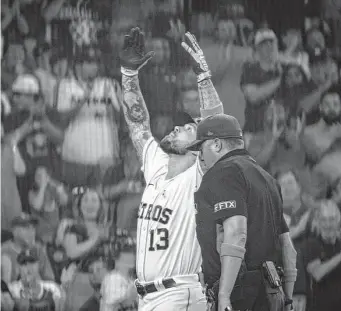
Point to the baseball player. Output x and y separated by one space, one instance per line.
168 254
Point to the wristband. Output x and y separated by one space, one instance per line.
232 250
289 275
204 75
129 72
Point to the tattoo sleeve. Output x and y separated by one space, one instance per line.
210 103
135 113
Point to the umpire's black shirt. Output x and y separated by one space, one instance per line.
236 185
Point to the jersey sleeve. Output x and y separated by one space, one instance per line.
154 160
227 194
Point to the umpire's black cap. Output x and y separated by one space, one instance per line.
216 126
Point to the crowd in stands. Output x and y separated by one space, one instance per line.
70 178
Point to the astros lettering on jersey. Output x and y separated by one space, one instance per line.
166 230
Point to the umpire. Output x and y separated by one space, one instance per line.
240 226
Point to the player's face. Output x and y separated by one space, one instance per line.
90 205
177 140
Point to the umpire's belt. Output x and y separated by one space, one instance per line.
153 287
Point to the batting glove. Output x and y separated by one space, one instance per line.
133 55
199 63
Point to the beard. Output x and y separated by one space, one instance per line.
168 146
331 119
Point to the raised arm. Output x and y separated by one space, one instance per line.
133 58
210 103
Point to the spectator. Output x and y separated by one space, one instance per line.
324 70
43 72
13 23
60 66
118 293
225 58
10 199
159 81
323 258
24 236
261 79
315 88
336 192
166 21
74 25
130 199
92 105
295 88
12 64
321 141
161 125
30 292
29 130
48 200
87 238
295 211
297 215
120 27
293 50
315 42
188 102
278 145
7 302
98 271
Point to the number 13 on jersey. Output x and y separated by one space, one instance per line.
158 239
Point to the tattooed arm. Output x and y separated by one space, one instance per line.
135 113
209 99
210 103
133 58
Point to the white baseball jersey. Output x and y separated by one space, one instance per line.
167 244
93 135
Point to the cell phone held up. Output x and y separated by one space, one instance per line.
270 273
